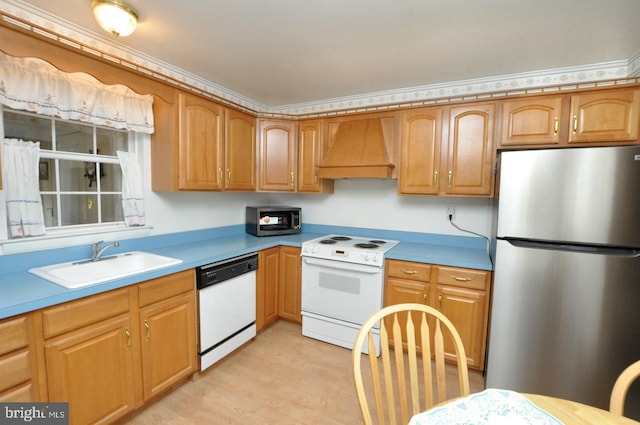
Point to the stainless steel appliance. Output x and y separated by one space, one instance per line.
566 299
269 221
227 306
342 285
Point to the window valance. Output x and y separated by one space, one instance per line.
35 85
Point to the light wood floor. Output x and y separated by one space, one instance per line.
279 378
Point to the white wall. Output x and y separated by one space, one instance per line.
367 203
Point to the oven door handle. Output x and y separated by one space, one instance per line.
339 265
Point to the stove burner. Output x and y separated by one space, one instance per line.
341 238
366 245
378 242
327 241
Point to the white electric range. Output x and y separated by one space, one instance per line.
342 285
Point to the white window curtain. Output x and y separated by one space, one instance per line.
34 85
21 190
132 189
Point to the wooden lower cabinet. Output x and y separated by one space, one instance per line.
92 369
278 292
267 287
109 353
289 298
18 367
461 294
167 331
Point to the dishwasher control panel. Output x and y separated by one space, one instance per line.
213 273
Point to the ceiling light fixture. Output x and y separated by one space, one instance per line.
116 17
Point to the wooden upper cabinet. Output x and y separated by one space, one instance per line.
240 151
470 150
277 148
605 116
532 121
310 151
201 145
448 151
420 151
201 130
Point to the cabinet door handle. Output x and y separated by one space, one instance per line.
440 302
425 296
575 124
461 279
315 179
147 335
220 174
435 178
450 177
409 271
128 334
228 175
292 178
555 126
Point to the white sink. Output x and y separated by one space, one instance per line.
78 274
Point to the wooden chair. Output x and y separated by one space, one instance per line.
621 386
402 377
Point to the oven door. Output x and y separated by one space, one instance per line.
342 291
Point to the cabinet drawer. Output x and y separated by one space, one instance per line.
465 278
15 369
13 334
409 270
165 287
79 313
22 393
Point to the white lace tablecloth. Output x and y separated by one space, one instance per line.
491 406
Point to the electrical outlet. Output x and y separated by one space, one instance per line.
451 212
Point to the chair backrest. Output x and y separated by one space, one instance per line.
400 382
621 386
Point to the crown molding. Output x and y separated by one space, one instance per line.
552 79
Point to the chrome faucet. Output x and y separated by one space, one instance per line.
97 251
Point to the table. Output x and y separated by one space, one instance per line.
571 412
502 406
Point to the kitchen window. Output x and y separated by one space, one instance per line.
85 138
80 177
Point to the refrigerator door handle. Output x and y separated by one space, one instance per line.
580 248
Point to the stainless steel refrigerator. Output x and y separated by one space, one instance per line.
565 315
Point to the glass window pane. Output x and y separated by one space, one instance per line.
111 208
77 176
79 209
50 210
82 190
72 137
110 177
47 175
110 141
28 127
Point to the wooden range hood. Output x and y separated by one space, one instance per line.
360 149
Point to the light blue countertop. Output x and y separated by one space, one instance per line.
21 291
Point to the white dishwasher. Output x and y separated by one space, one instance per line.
227 306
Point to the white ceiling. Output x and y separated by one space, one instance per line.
291 52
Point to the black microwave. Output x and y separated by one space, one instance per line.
268 221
